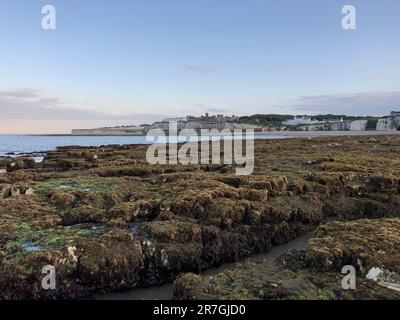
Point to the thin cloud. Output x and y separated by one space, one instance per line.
30 104
206 108
20 93
362 103
375 78
199 68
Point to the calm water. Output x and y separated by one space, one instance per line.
28 144
165 292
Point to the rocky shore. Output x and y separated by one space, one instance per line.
371 246
107 220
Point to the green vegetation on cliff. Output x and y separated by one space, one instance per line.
276 120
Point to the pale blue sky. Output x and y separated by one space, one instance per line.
175 57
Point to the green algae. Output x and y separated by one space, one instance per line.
43 239
89 184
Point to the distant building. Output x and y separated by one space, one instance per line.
341 125
389 123
206 122
307 124
300 121
385 124
174 119
395 115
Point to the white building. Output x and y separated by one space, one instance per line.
391 122
299 121
385 124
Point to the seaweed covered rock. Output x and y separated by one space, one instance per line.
137 210
269 281
371 246
20 163
114 260
110 207
386 183
365 244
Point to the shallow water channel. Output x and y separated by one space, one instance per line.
164 292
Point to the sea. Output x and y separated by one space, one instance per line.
13 145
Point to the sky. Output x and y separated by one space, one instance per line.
128 61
